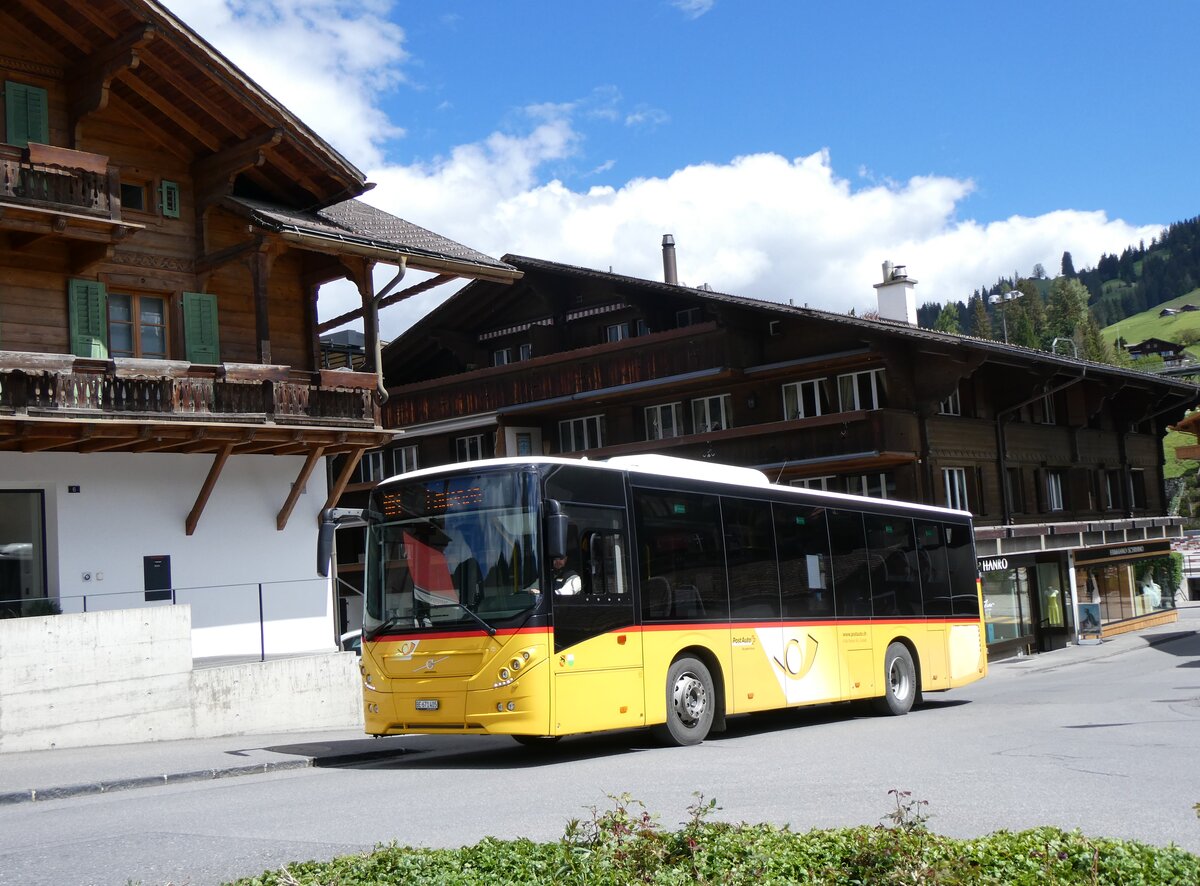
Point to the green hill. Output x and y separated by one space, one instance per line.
1181 328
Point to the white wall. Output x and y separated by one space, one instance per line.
126 676
132 505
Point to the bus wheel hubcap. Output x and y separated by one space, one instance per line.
899 681
689 698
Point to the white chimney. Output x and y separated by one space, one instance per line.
897 301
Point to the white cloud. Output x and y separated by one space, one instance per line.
762 225
693 8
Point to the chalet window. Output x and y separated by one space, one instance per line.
711 414
1016 490
1112 490
404 458
26 114
952 405
881 485
664 420
955 482
688 317
137 325
525 352
641 327
805 399
1137 488
501 356
1054 490
825 483
133 196
861 390
577 434
370 469
468 448
616 332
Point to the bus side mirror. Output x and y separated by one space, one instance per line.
555 530
331 520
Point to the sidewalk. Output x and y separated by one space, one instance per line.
56 774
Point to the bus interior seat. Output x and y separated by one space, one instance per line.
656 597
688 603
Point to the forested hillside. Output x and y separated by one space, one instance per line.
1035 310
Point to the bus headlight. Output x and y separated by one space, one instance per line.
517 664
505 674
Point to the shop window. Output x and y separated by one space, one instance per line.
1006 605
22 554
577 434
664 420
806 399
861 390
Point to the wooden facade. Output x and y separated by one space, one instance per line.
812 398
151 298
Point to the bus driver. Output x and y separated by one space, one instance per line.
565 580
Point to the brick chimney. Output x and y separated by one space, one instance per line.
897 301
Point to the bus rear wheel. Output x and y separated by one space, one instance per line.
899 681
691 703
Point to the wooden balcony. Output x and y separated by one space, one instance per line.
662 357
61 179
81 403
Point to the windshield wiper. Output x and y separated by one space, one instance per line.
491 631
397 621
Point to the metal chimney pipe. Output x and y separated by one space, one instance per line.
670 274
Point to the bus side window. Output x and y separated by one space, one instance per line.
851 572
931 558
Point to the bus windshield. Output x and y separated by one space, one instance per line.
457 551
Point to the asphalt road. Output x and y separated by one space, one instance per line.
1109 746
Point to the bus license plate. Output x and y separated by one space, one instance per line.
427 704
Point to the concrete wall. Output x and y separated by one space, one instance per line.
132 505
116 677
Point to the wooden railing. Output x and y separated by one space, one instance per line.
58 178
235 392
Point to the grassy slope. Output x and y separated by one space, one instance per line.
1148 324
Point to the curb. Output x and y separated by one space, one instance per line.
34 795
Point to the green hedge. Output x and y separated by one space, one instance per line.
626 846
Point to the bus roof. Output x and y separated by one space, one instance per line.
651 464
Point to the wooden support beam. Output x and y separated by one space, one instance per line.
343 479
59 25
89 82
416 289
165 139
84 258
220 116
314 456
206 264
214 175
206 490
183 121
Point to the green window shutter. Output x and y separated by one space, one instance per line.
89 318
201 335
26 113
169 199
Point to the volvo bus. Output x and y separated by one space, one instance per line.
543 597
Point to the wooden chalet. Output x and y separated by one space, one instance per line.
1156 347
165 228
1052 454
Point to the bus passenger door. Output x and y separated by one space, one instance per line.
597 661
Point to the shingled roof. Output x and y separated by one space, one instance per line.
359 224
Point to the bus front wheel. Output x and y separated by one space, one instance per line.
899 682
691 703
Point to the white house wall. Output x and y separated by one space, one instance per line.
134 505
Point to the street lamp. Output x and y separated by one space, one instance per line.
1003 299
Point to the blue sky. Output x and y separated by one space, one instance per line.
791 147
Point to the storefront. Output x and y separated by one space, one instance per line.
1126 581
1027 603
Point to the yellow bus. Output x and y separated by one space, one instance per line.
543 597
